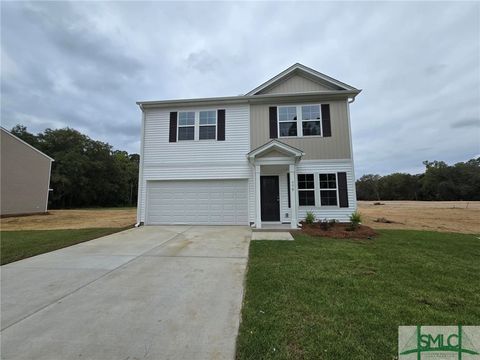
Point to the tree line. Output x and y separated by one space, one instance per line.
86 172
440 181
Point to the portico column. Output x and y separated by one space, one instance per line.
258 205
293 196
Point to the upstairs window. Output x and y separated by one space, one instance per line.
287 120
300 120
186 125
306 190
328 189
208 125
311 120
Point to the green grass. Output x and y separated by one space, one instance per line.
17 245
320 298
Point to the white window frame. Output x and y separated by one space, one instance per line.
183 126
216 124
309 189
320 189
299 121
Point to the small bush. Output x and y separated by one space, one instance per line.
326 224
310 218
355 220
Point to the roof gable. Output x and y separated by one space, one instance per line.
5 131
299 78
275 148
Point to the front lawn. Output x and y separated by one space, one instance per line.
17 245
320 298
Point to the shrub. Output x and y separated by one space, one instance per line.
355 220
310 218
327 224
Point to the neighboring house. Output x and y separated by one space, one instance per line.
269 156
25 176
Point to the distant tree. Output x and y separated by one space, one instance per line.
439 182
21 132
368 187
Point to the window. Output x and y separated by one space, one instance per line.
287 120
300 120
186 125
328 189
208 125
306 190
310 120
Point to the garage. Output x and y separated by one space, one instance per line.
199 202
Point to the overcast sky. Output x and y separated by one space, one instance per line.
84 64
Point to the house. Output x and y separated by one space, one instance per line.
269 156
25 176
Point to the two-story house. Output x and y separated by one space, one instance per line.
268 156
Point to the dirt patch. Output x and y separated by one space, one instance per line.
72 219
445 216
339 231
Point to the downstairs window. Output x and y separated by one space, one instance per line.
328 189
306 190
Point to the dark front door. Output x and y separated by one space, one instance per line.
270 198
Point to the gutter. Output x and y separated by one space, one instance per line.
249 99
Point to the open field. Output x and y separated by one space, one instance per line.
322 298
445 216
72 219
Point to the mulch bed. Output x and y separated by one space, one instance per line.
339 231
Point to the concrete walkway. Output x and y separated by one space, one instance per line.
164 292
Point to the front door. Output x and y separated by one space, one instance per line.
270 198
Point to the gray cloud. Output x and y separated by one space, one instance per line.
84 64
466 123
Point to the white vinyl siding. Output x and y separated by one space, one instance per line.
184 160
329 167
200 202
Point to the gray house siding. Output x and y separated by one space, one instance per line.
316 148
25 176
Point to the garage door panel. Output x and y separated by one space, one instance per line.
197 202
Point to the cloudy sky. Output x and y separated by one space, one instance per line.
84 64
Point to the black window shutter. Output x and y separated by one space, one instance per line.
342 189
288 189
173 127
273 122
221 125
326 125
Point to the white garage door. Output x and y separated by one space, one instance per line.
204 202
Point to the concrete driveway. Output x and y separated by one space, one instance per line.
156 292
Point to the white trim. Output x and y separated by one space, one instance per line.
328 189
300 120
293 196
25 143
140 171
215 125
275 144
258 203
351 153
275 161
48 185
300 69
186 126
314 189
321 161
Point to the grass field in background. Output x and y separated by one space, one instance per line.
321 298
17 245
